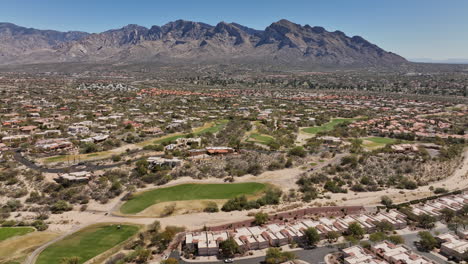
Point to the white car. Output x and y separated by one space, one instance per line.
228 261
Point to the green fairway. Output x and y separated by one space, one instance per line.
377 142
328 126
209 127
260 138
7 232
212 129
380 140
190 191
87 243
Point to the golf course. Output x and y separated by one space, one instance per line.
9 232
212 127
372 143
190 191
260 138
327 126
87 243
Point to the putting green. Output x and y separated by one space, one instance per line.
191 191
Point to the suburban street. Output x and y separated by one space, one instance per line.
312 256
411 238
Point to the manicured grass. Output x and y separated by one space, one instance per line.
213 128
260 138
328 126
377 142
184 192
87 243
167 139
7 232
380 140
55 158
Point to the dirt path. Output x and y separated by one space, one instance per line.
76 220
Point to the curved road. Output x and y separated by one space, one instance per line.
85 166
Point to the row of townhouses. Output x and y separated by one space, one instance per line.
260 237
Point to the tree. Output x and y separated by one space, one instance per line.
426 221
312 236
211 207
297 151
261 218
447 214
377 236
60 206
385 200
70 260
396 239
464 210
142 255
275 256
427 240
355 230
142 167
170 261
228 248
384 226
332 236
155 227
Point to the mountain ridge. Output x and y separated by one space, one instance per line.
183 41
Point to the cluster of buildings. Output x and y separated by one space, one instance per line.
407 124
54 144
383 253
204 152
454 246
79 176
118 87
272 235
433 207
155 162
183 143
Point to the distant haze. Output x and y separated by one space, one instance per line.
446 61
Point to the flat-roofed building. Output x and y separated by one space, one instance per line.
409 257
453 246
387 249
358 255
276 230
366 222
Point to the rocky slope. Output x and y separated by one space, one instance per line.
193 42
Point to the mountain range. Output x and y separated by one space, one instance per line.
181 41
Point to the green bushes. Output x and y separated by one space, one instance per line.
272 196
60 207
211 207
297 151
275 256
261 218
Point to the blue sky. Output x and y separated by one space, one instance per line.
434 29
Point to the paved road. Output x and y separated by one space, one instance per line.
312 256
89 166
411 238
85 166
31 259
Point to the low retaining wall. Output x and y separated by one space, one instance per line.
295 214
